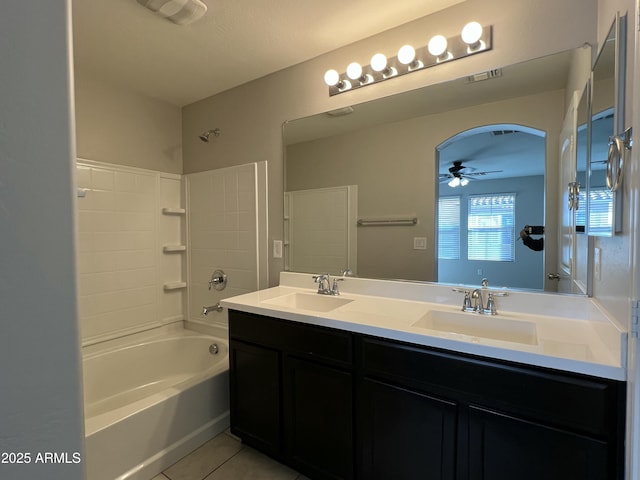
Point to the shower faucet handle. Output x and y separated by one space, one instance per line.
218 280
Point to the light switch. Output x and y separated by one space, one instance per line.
419 243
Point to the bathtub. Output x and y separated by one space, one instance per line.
150 402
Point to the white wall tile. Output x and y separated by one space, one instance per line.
120 260
222 233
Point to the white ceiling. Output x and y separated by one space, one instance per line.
235 42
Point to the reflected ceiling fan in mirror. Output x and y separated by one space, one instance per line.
459 175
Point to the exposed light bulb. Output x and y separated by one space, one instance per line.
406 54
378 62
437 45
331 77
354 71
472 33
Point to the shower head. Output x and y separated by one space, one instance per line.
205 136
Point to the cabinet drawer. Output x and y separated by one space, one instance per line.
584 404
292 337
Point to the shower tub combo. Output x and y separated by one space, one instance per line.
151 401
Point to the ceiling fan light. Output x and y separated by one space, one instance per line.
464 182
454 182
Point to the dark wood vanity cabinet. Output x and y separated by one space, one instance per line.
301 396
404 434
510 421
337 405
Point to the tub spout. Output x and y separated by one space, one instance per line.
217 307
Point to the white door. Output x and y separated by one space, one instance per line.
320 225
566 225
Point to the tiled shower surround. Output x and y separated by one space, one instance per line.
127 282
136 271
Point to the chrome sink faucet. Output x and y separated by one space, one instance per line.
474 299
478 304
324 284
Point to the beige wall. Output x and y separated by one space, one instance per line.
251 115
119 126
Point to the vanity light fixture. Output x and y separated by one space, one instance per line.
332 79
474 38
437 47
380 65
407 56
354 72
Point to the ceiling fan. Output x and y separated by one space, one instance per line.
459 175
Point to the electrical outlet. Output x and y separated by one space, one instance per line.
277 249
419 243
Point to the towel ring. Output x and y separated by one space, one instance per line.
615 159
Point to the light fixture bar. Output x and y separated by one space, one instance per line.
455 49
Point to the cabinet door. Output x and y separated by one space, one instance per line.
318 419
255 396
405 434
506 448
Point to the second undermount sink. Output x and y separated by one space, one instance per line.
310 302
484 326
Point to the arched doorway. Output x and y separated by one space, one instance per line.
491 183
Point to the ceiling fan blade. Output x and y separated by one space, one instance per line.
475 174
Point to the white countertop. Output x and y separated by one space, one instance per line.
569 333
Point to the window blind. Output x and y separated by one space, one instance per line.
600 210
449 228
491 234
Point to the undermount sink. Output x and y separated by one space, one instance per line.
484 326
309 302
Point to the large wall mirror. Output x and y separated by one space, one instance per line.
364 185
607 119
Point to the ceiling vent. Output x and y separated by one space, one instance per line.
488 75
497 133
181 12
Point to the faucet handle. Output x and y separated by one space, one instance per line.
466 303
334 289
499 294
490 309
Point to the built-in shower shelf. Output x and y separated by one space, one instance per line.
174 248
173 211
174 286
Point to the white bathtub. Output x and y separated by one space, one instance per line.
150 402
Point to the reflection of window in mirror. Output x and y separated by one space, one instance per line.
449 228
489 225
600 210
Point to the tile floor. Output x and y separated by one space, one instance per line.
225 458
